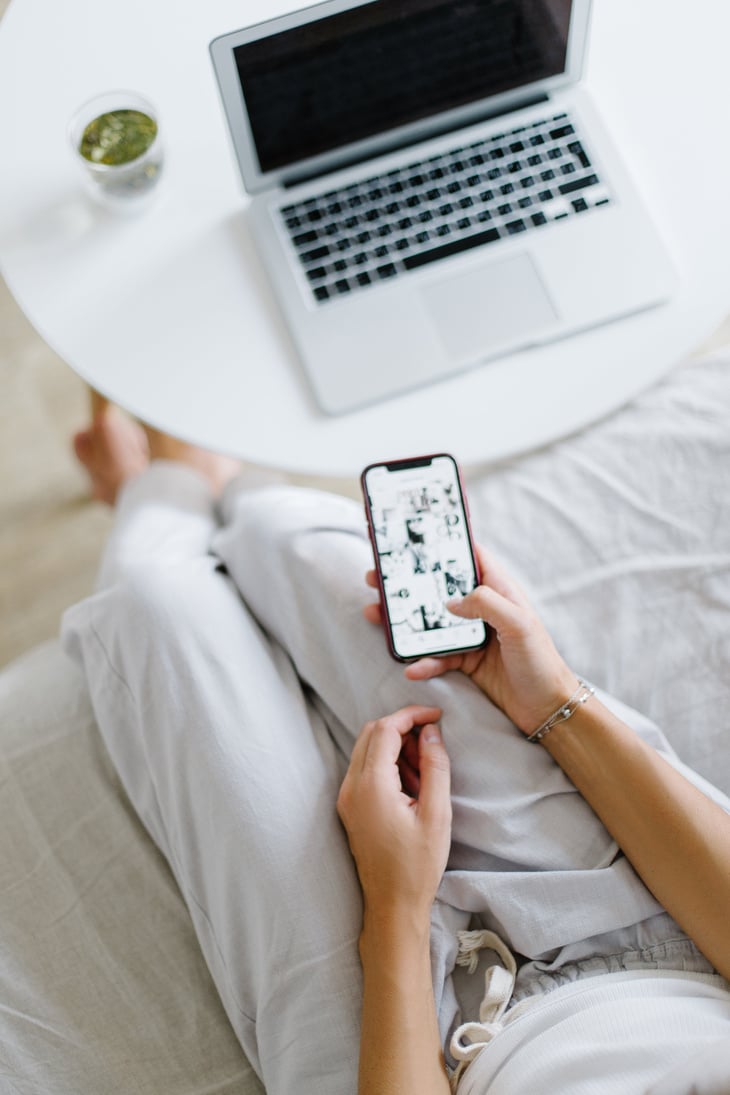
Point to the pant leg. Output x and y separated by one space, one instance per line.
529 855
233 772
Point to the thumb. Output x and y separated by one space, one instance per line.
434 794
484 603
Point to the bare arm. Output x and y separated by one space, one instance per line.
675 837
400 845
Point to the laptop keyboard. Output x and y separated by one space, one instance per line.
384 226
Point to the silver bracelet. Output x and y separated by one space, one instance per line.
581 695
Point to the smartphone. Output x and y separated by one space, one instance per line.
424 555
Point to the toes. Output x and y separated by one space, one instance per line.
82 445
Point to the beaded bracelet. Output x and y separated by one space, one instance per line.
581 695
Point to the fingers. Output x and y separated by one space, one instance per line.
434 794
373 613
496 609
426 668
379 742
494 575
371 579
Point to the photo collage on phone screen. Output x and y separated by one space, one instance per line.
423 545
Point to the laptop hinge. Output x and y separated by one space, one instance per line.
307 176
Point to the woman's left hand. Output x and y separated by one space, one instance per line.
400 843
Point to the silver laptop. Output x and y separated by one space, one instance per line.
431 186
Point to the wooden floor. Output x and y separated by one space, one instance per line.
51 534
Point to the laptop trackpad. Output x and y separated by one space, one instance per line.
498 306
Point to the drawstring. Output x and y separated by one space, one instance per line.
499 982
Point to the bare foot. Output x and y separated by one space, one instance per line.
115 448
112 449
217 468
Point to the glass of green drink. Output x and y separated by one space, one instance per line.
116 138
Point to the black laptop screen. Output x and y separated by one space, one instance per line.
317 87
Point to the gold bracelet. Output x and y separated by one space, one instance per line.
581 695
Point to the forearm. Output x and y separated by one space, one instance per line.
400 1048
675 837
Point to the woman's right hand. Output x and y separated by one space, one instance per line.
519 669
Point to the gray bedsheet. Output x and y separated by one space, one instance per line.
622 534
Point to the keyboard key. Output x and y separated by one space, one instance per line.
381 251
396 187
443 230
533 161
423 237
354 201
316 272
386 271
516 226
525 202
473 180
494 173
404 223
538 139
463 223
555 153
444 210
545 195
425 216
579 152
508 188
293 222
486 195
360 258
518 146
504 210
538 219
305 237
546 176
432 195
343 245
321 292
340 265
384 230
314 215
484 216
454 247
372 215
454 187
567 168
465 203
317 253
561 131
578 184
363 237
342 286
363 278
401 244
527 182
580 205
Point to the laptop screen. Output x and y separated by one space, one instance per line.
325 84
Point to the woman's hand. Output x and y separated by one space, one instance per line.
519 669
400 844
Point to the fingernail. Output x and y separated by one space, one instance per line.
431 734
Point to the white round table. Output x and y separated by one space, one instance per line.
169 313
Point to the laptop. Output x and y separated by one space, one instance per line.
431 186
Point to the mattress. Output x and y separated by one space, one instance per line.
621 534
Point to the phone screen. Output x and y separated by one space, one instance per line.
424 554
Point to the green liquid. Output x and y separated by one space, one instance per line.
118 137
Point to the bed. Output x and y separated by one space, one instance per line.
622 535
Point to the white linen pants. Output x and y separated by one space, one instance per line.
230 669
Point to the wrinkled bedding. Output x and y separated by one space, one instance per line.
620 533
